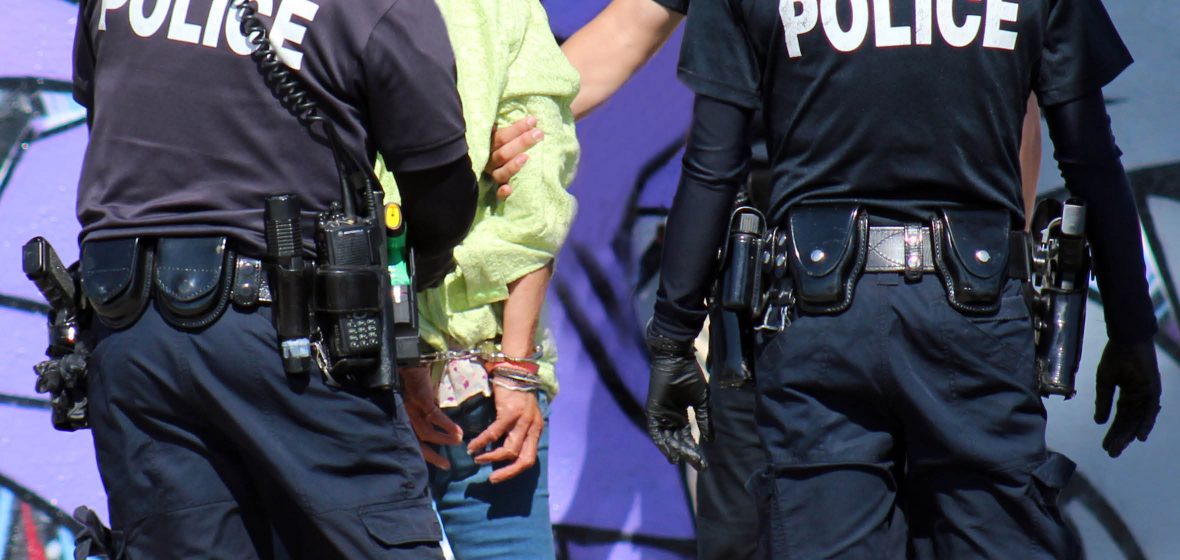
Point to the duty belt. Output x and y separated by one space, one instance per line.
250 286
905 249
908 249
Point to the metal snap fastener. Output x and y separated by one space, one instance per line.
913 261
780 261
818 255
983 256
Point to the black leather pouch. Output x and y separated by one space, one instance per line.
971 251
193 280
827 255
116 278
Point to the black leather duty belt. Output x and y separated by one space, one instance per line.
899 249
250 286
909 249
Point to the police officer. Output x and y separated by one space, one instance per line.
206 448
898 405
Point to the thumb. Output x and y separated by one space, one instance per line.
704 419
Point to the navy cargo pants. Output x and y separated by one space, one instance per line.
902 428
206 450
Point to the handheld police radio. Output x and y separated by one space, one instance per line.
1060 280
351 278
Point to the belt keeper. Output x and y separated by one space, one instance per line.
913 252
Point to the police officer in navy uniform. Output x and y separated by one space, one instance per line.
898 405
206 448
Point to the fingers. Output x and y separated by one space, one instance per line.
1122 431
501 174
502 136
704 420
678 446
527 457
504 192
439 429
434 457
491 435
1104 394
1148 423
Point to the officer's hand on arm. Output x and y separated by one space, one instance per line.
1133 369
430 424
509 145
518 417
676 384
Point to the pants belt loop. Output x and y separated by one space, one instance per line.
913 252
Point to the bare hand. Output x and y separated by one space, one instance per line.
430 424
508 152
518 416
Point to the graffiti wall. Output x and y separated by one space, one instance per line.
613 495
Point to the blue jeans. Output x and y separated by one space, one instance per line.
485 520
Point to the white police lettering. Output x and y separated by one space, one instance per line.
181 30
954 35
108 5
887 35
286 30
957 28
233 27
796 23
146 25
289 27
994 37
923 22
841 40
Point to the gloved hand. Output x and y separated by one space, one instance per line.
64 380
676 384
1133 369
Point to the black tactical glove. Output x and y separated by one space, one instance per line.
1133 369
94 539
676 384
64 379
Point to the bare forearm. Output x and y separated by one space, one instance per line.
522 311
1030 156
614 45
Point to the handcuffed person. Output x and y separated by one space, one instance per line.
482 403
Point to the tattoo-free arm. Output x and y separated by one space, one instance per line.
614 45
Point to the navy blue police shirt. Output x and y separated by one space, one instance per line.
186 138
903 105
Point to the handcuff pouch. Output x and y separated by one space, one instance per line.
194 277
827 255
971 252
115 277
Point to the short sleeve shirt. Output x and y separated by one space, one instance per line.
680 6
904 106
187 139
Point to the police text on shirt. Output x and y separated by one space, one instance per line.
800 17
183 28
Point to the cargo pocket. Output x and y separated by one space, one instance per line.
402 523
1050 478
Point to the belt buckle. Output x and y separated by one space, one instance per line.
912 237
